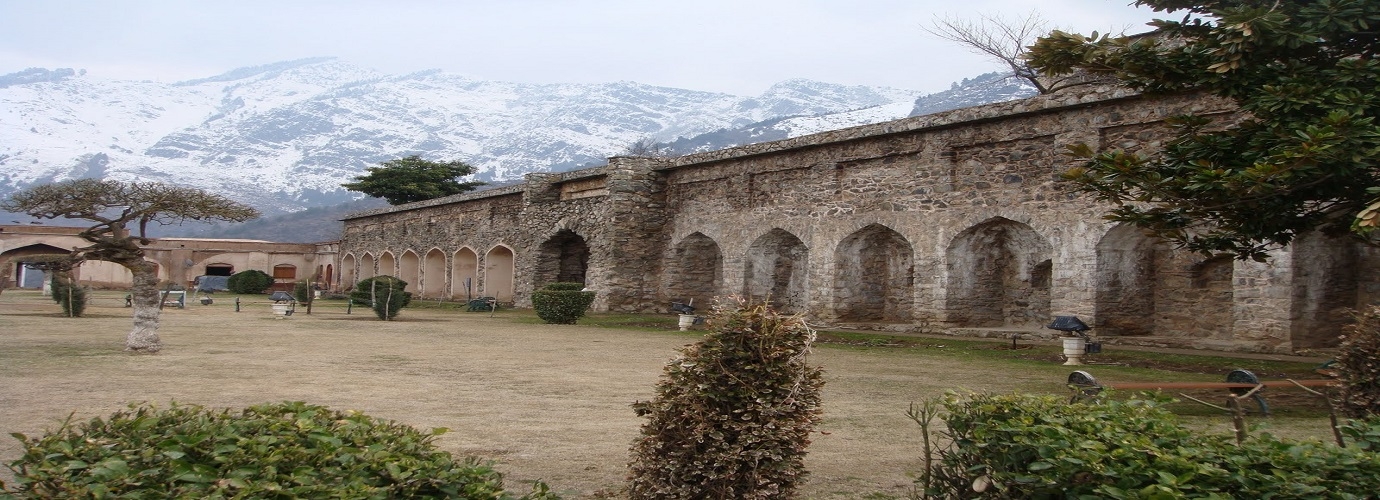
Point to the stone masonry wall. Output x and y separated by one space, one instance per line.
957 220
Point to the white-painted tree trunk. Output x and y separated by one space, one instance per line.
143 339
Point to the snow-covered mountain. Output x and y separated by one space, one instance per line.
284 136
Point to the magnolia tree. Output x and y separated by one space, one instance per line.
1306 154
120 214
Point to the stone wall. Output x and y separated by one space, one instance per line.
957 220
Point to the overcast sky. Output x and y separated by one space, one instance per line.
734 46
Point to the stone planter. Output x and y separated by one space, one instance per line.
281 310
686 320
1074 348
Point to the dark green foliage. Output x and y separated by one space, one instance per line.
69 295
1021 446
1304 156
384 294
1358 367
302 291
732 415
561 303
282 450
413 179
252 281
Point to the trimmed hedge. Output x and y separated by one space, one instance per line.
282 450
562 303
1022 446
252 281
384 294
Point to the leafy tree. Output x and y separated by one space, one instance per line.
121 213
1304 153
413 179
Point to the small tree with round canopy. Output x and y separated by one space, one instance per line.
120 213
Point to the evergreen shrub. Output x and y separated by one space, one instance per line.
733 413
252 281
384 294
301 290
281 450
562 303
69 295
1023 446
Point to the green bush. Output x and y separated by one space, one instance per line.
69 295
252 281
282 450
732 415
384 294
1358 367
1020 446
562 303
302 291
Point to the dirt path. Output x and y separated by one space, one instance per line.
546 402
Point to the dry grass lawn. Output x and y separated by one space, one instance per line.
544 402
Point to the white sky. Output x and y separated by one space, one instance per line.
739 47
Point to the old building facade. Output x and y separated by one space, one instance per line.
956 221
179 260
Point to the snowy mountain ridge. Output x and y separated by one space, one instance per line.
284 136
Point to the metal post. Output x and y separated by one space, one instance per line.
237 304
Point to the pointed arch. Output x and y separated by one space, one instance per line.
349 271
999 276
410 269
776 269
388 266
499 267
564 257
874 276
464 274
696 270
367 268
433 283
1128 283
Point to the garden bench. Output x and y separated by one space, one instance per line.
483 304
1239 383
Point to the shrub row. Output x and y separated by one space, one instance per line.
282 450
1023 446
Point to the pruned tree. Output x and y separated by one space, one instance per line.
121 213
413 179
1305 154
1004 40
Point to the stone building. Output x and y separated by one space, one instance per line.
180 260
956 221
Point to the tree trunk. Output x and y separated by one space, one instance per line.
143 339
